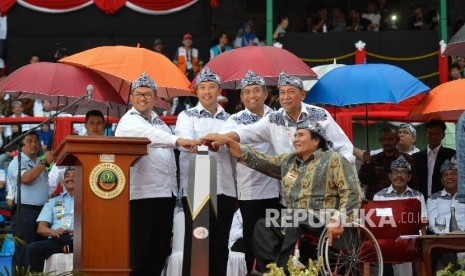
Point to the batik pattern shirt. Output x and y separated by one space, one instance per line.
278 129
391 194
195 123
438 205
325 181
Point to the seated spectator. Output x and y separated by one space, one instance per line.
440 203
3 188
45 137
372 15
43 108
2 69
356 23
400 174
338 20
159 46
17 109
5 105
461 64
308 25
35 58
246 36
28 105
283 23
222 46
385 11
56 221
454 72
321 25
7 153
417 21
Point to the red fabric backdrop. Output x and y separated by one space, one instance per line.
108 6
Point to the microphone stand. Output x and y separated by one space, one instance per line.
18 142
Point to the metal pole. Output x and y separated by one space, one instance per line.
269 22
443 19
366 126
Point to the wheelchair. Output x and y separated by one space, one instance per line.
355 252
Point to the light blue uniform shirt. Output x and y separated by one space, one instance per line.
36 193
59 212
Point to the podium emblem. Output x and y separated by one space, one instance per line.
107 180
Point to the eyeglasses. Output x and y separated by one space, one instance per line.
400 173
138 95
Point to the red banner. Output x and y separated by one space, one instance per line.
108 6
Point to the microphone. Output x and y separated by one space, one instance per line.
89 88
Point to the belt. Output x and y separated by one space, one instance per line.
32 207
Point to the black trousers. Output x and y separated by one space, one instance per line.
37 252
151 226
272 244
26 222
252 211
24 227
226 207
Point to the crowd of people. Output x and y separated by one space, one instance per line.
296 157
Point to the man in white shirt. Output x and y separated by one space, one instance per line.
153 180
439 205
256 192
208 116
400 175
407 137
278 127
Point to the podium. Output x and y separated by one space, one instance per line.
101 200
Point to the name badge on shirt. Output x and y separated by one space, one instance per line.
291 175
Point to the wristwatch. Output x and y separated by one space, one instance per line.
44 162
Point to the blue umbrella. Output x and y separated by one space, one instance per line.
365 84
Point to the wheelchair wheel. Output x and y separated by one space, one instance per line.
356 252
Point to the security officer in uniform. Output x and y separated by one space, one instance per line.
34 188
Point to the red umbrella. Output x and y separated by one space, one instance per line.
265 61
59 82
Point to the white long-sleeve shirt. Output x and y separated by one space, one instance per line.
438 205
153 175
195 123
251 184
278 129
